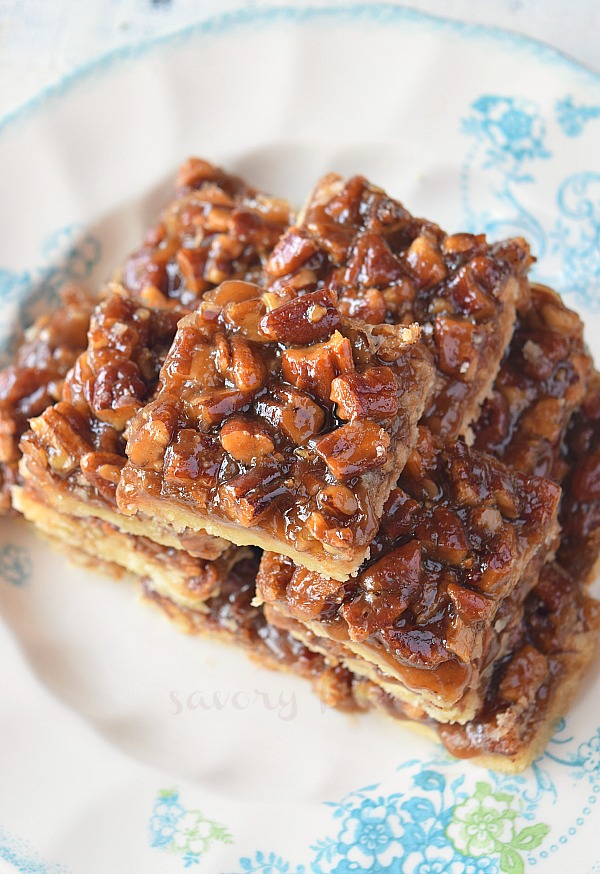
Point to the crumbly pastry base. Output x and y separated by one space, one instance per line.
180 518
173 572
80 505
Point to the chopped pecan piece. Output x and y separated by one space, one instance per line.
103 471
298 416
305 320
312 369
250 495
372 394
524 675
385 591
210 408
354 448
192 461
245 440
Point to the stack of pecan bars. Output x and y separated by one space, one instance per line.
364 450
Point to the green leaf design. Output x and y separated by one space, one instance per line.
220 833
511 862
531 837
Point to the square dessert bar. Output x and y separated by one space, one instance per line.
216 228
74 452
280 424
462 541
388 266
34 381
548 652
542 381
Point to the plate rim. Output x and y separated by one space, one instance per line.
221 24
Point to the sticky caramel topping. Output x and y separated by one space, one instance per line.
520 693
216 228
82 435
283 418
457 533
35 380
388 266
542 380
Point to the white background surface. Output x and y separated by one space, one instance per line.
41 40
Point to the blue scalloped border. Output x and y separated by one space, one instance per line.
240 18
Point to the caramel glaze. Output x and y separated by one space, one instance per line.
386 265
460 534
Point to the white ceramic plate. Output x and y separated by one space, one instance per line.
128 748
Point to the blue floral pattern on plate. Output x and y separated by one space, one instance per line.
15 564
510 137
446 821
442 820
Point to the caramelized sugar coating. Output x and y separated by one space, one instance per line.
580 509
279 423
75 450
459 533
35 380
216 228
83 434
532 686
388 266
542 380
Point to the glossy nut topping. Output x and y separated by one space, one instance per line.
457 535
272 416
542 380
82 435
388 266
216 228
35 380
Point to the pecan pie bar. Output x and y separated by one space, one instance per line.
74 452
216 228
542 381
462 538
278 424
388 266
550 648
34 381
